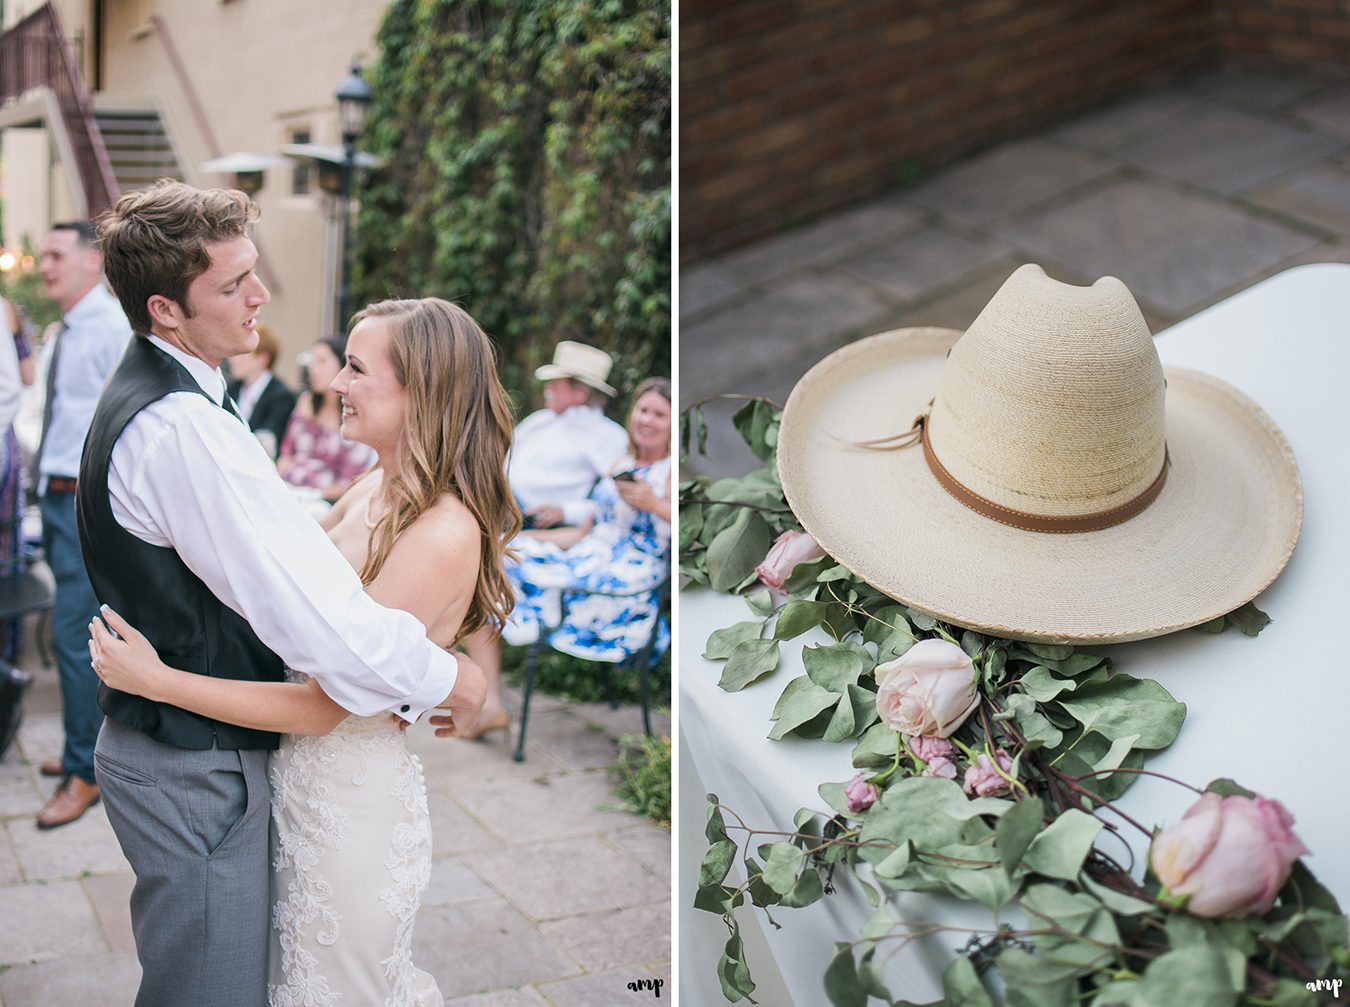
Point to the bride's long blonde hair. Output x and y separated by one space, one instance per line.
456 433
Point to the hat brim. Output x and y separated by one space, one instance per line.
550 372
1220 531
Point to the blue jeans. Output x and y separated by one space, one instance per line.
75 608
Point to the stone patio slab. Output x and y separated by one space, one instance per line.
647 844
485 947
20 793
520 813
454 830
1328 111
11 873
1225 149
705 287
552 880
108 980
720 352
110 895
1176 250
1259 87
452 883
1318 195
41 735
920 262
43 922
526 997
626 720
607 990
85 845
1109 127
837 235
450 761
1008 179
574 743
609 940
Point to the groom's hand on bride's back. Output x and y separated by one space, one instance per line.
464 702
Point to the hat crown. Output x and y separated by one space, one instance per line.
1052 403
581 362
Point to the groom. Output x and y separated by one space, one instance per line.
188 532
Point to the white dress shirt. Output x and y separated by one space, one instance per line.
250 394
189 476
557 457
95 337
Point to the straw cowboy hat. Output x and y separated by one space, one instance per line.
580 362
1061 485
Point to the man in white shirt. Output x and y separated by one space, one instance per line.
77 358
190 535
559 452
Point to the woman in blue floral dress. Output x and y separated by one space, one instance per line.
608 571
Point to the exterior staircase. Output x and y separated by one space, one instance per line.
139 150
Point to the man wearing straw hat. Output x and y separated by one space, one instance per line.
559 452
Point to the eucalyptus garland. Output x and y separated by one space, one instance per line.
1049 737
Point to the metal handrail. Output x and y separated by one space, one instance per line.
35 52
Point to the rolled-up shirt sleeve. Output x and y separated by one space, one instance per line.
187 475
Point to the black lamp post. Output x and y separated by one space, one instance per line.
353 98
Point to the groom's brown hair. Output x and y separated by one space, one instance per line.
154 241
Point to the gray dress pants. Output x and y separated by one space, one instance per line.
194 826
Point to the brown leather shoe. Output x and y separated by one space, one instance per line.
52 767
72 799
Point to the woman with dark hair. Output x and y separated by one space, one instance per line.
314 453
427 530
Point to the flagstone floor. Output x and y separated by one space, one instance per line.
544 891
1188 193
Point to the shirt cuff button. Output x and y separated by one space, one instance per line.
404 708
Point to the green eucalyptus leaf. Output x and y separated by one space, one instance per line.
837 666
1016 829
921 620
723 641
752 421
870 975
1213 626
1292 993
962 986
702 432
716 863
803 577
895 863
691 522
760 893
1117 993
782 864
714 827
876 748
1030 984
748 662
1198 975
717 899
761 603
842 984
1225 787
987 885
833 571
1050 651
1118 902
732 971
881 924
1248 619
808 889
737 550
917 808
797 617
1060 849
1033 724
1042 685
1126 705
1115 755
801 701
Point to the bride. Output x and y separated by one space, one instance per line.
351 836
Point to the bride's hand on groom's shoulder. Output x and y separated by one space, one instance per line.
121 656
465 701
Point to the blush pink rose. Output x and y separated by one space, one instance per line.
983 780
929 690
1231 855
860 794
939 754
940 766
789 549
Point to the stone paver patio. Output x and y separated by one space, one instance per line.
544 891
1188 192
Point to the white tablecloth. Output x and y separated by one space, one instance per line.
1271 712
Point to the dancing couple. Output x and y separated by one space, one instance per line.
243 644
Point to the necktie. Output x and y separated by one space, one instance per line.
59 335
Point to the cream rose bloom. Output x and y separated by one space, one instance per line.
929 690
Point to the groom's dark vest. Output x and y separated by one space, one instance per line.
149 585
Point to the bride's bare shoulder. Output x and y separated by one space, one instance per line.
447 529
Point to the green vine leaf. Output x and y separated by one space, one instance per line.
750 661
732 971
800 702
1198 975
1059 851
724 641
1016 829
737 550
842 984
799 616
1126 705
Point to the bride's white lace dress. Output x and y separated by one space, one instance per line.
351 856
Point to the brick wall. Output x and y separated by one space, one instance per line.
1317 30
790 108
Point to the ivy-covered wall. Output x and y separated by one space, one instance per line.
527 175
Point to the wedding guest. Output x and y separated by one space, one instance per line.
314 454
11 466
78 357
264 401
622 552
559 452
22 327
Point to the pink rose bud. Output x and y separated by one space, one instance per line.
1230 855
790 549
929 690
983 780
860 793
928 749
940 766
